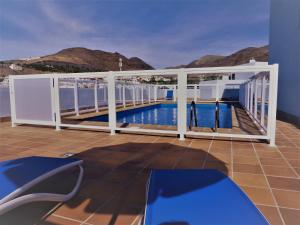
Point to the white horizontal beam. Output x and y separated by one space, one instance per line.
246 136
204 70
81 126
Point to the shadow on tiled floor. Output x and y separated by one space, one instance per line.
117 168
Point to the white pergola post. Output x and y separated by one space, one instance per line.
217 90
123 96
57 104
174 93
263 101
149 94
195 93
181 119
111 103
104 94
76 107
96 95
133 95
255 97
199 96
142 93
273 88
155 93
12 101
251 96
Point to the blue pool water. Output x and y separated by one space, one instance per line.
166 114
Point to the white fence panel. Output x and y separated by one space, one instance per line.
34 100
4 102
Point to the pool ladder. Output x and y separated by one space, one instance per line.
193 115
217 116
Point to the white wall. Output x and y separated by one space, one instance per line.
285 50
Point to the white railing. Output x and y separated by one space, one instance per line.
254 97
45 107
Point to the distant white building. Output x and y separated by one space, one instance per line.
15 67
246 76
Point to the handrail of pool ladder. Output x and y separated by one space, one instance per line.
217 116
193 115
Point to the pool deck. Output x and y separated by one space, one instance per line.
117 169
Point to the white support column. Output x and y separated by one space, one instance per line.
105 94
155 93
96 95
56 104
12 101
111 103
248 96
255 97
133 95
76 106
120 94
123 96
195 93
251 97
263 101
174 93
181 105
217 90
273 104
142 93
149 94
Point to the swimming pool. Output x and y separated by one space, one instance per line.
166 114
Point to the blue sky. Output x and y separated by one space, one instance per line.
161 32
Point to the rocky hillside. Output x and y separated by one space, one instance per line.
240 57
84 60
78 60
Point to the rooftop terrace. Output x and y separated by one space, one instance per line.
117 168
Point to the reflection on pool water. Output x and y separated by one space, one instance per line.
166 114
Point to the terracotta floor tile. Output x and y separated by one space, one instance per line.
189 164
288 199
52 219
284 183
222 167
269 154
112 160
294 162
279 171
273 162
245 160
247 168
78 208
271 214
226 158
297 169
251 180
291 155
259 195
289 150
116 211
290 216
244 152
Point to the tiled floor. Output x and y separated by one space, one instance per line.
117 168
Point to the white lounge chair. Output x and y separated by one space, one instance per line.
19 175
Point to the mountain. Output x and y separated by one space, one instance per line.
240 57
75 60
205 61
84 60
